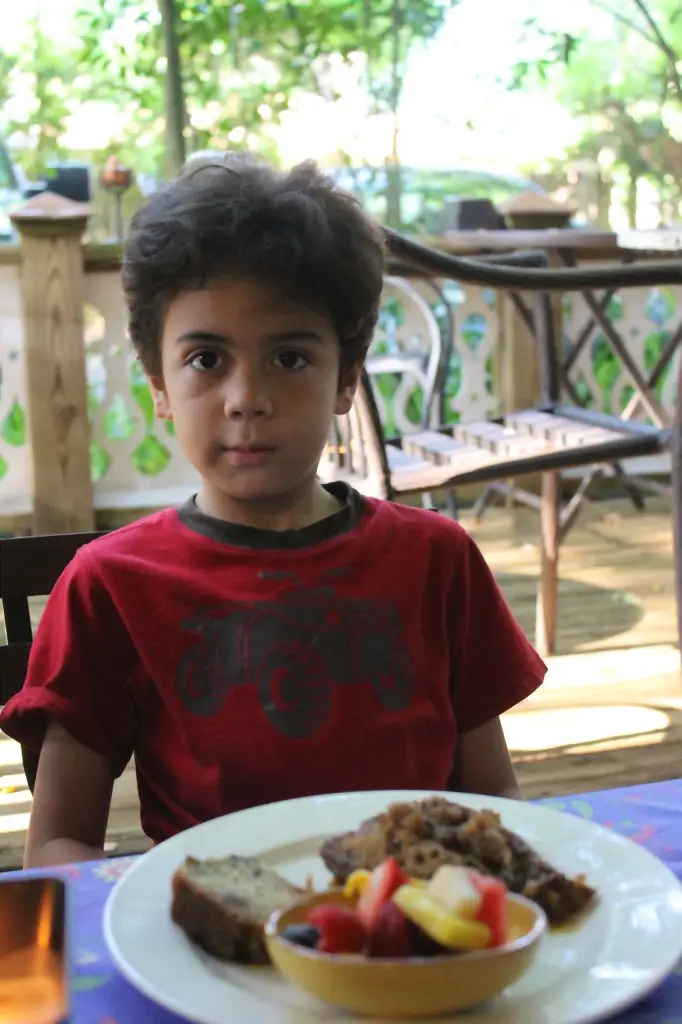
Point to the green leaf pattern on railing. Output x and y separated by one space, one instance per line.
401 396
151 456
13 430
13 424
119 414
606 370
100 460
615 311
119 422
474 330
614 388
660 306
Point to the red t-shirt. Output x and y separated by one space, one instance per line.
243 666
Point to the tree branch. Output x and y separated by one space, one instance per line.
624 20
663 45
176 105
655 37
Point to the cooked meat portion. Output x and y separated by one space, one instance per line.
425 834
223 905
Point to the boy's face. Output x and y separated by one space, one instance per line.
251 382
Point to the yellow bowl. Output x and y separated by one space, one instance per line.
408 988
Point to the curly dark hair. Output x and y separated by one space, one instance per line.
234 216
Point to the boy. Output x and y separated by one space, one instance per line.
273 637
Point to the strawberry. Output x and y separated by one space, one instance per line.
340 929
390 935
493 909
385 880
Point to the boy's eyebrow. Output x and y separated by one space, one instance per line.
210 336
213 337
300 334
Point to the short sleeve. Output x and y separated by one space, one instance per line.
81 663
494 665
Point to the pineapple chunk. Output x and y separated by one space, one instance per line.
452 887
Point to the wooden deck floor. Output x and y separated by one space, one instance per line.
610 712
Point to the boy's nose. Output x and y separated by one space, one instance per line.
246 396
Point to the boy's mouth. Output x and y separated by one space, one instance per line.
247 455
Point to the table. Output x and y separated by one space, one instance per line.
659 240
650 815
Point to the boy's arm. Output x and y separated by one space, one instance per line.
71 802
483 764
494 669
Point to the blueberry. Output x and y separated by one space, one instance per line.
302 935
423 945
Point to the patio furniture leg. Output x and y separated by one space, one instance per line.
570 513
482 503
634 492
546 612
451 503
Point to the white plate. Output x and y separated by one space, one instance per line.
619 953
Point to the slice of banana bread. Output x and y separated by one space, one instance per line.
223 904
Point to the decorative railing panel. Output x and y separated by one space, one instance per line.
135 459
647 320
460 325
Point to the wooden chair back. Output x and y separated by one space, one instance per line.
29 567
356 450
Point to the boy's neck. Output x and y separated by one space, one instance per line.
291 511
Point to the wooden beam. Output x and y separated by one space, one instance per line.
51 230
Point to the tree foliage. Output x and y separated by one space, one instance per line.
8 63
188 75
37 70
622 78
242 62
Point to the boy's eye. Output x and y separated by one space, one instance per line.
207 360
292 360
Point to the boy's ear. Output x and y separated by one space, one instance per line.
348 385
161 404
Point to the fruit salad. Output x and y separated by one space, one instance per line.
389 915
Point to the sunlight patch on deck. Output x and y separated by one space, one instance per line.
13 790
14 823
10 752
566 727
600 668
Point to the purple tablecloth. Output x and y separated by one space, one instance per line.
650 815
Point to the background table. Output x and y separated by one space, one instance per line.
650 815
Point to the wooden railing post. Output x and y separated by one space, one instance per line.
51 230
516 360
516 364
